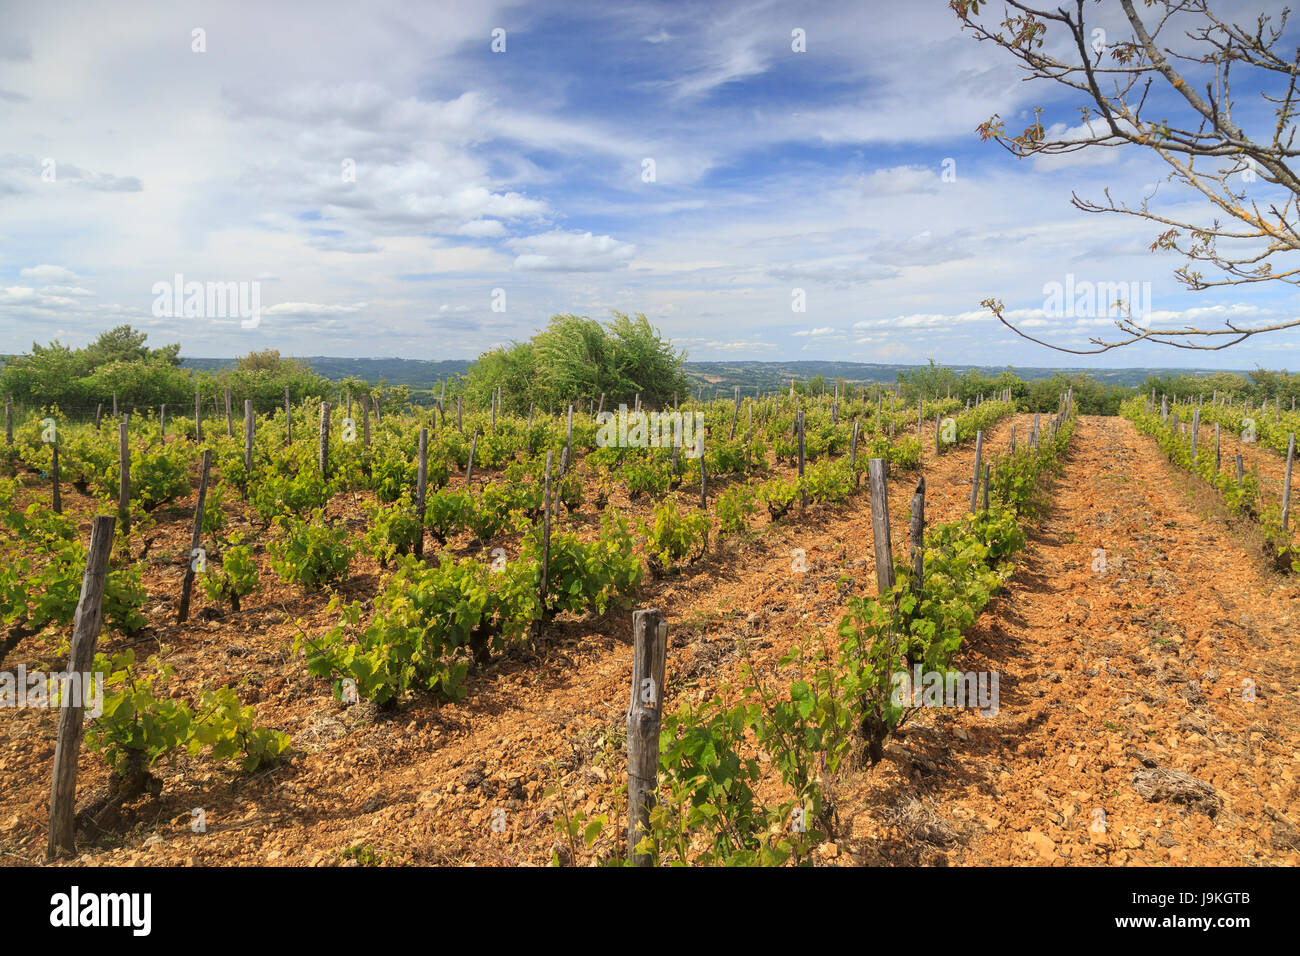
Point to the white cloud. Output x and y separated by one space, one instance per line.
312 308
560 251
45 273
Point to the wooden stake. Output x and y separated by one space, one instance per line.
85 631
645 708
546 537
975 487
704 502
421 478
1286 487
196 538
324 454
880 524
916 535
249 425
124 480
803 491
198 417
57 500
230 424
853 453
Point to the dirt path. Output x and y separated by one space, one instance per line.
1114 685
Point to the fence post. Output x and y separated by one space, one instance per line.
546 541
421 478
880 524
704 502
1196 427
916 534
249 426
645 707
1286 488
975 487
85 630
803 491
196 538
324 454
853 453
124 479
57 500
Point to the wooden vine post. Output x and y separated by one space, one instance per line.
421 480
704 502
1286 487
124 478
85 631
916 536
853 453
975 486
198 417
880 524
196 539
56 499
250 424
546 542
803 491
230 424
644 715
324 454
469 464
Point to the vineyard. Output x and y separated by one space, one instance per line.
355 633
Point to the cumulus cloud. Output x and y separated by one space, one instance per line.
312 309
559 251
48 273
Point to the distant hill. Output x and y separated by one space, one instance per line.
415 373
770 376
766 376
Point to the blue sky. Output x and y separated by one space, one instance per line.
777 175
